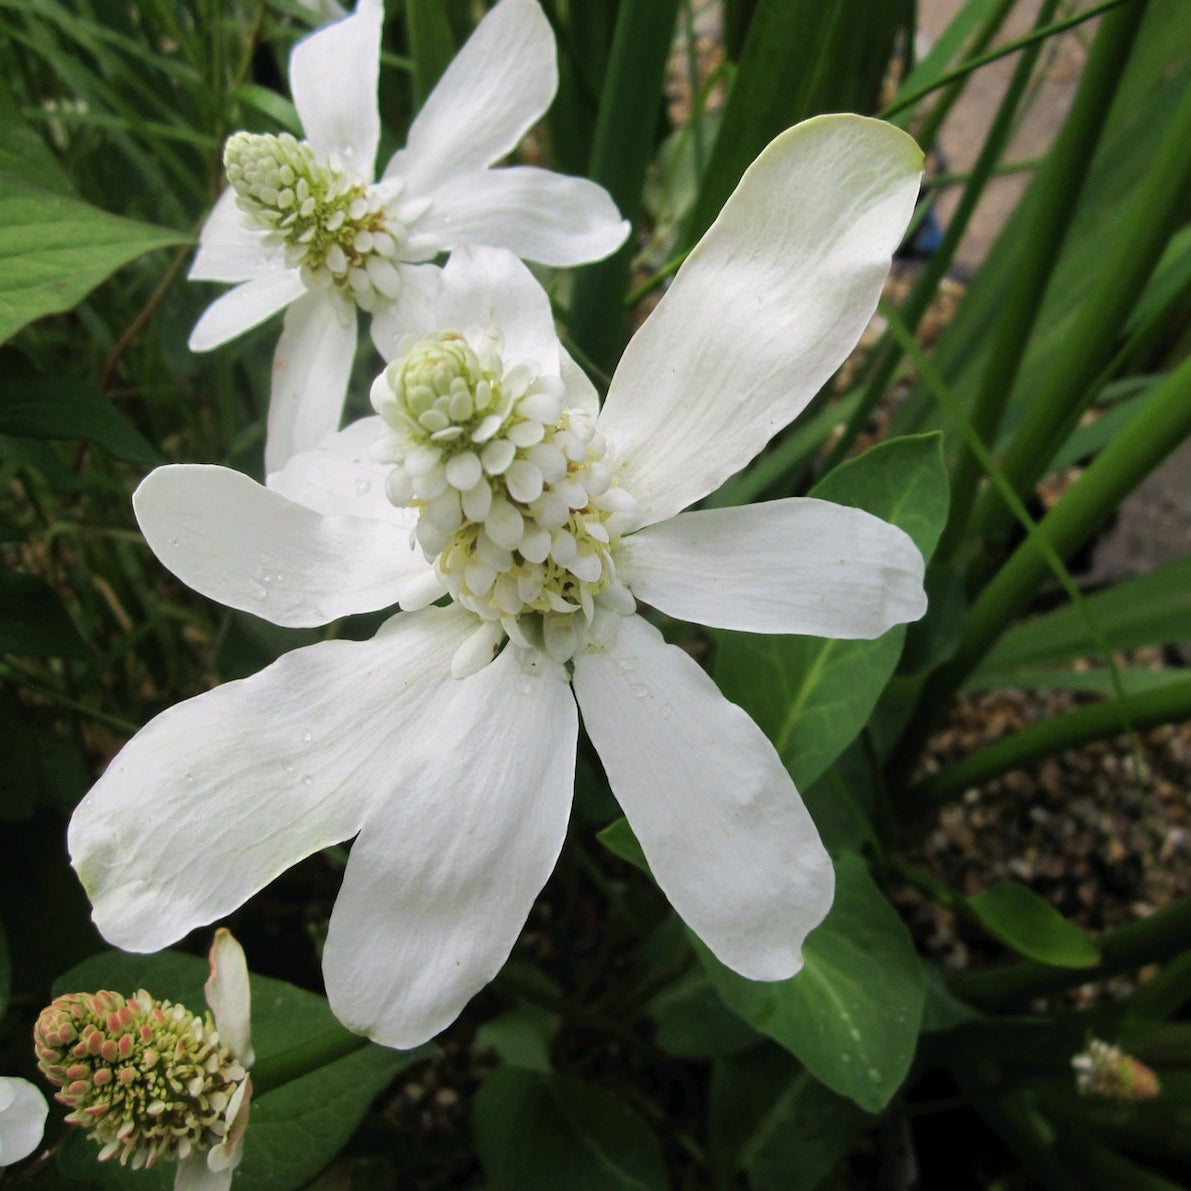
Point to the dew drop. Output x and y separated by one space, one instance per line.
363 487
289 769
525 687
190 779
173 541
855 1033
306 779
874 1074
257 590
665 711
639 690
307 736
845 1057
625 665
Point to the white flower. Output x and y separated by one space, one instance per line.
23 1112
454 770
303 224
150 1080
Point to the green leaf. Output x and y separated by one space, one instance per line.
33 622
1032 926
812 696
851 1016
618 838
692 1022
540 1132
297 1127
22 152
431 44
45 407
54 250
521 1037
41 765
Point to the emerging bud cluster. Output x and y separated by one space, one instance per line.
519 509
1105 1070
147 1078
340 233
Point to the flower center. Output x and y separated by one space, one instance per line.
519 510
146 1077
340 233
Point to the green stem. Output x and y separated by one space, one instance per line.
1161 936
1059 185
621 152
305 1058
1157 208
1010 47
1157 428
1168 704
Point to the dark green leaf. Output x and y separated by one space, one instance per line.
1029 924
521 1037
851 1016
41 765
541 1132
54 250
692 1022
618 837
33 622
66 407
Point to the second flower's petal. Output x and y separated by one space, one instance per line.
333 76
240 309
490 287
495 88
220 794
763 311
311 367
441 879
193 1174
231 247
23 1110
722 826
536 214
789 566
229 996
251 548
410 313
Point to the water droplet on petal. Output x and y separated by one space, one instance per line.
665 711
257 590
625 665
639 690
363 487
306 779
307 736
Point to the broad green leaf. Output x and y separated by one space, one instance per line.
1029 924
54 250
297 1127
41 765
692 1022
23 153
618 837
540 1132
521 1037
65 407
1153 609
431 44
852 1015
33 622
811 695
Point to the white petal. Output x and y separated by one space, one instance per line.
240 309
231 247
251 548
764 310
411 312
340 477
311 367
333 77
229 996
442 877
536 214
489 287
218 795
23 1112
193 1174
581 393
788 566
722 826
494 90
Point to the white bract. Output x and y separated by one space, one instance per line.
23 1112
304 225
446 744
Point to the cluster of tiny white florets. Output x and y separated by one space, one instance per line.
1103 1069
520 511
340 233
148 1079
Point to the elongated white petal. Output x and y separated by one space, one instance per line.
311 367
764 310
250 548
723 828
240 309
218 795
340 478
410 313
229 996
193 1174
442 877
333 76
489 287
581 393
539 215
494 90
23 1112
789 566
231 247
